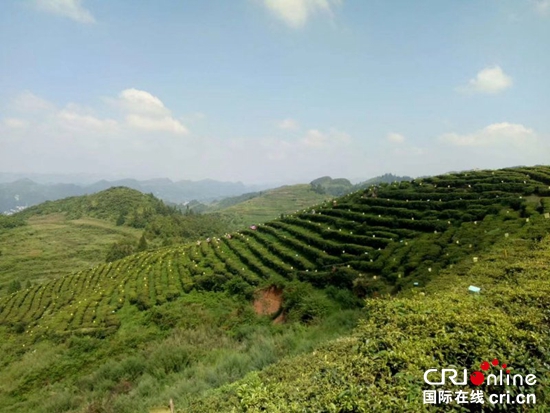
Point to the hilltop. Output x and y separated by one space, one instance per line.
57 238
91 331
24 192
130 206
259 207
386 178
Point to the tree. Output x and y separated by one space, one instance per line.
142 245
120 220
14 286
120 250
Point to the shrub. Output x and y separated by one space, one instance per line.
302 302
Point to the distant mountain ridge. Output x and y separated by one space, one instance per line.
25 192
387 178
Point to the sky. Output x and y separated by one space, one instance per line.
265 91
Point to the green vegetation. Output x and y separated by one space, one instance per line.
387 239
178 350
224 203
258 207
26 192
252 210
380 367
384 179
52 246
335 187
119 204
58 238
11 222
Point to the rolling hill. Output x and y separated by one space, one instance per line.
389 238
259 207
56 238
51 246
24 192
381 365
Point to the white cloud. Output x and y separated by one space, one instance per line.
288 124
490 80
542 7
140 101
496 134
72 9
296 13
317 139
401 147
70 119
141 111
395 137
156 124
312 144
147 112
15 123
275 150
132 134
29 102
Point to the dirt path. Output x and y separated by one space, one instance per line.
268 302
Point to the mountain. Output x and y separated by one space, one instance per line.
386 178
24 192
258 207
334 187
56 238
179 322
80 179
133 206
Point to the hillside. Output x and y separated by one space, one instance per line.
255 208
56 238
387 178
380 367
25 192
130 206
381 239
258 207
52 245
389 238
334 187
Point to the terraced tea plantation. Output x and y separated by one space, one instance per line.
380 366
380 240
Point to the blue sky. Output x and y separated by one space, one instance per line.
273 90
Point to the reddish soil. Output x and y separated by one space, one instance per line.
268 302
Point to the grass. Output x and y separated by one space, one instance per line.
177 322
271 204
178 351
51 246
371 241
381 365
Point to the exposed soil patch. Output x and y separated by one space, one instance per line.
268 302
